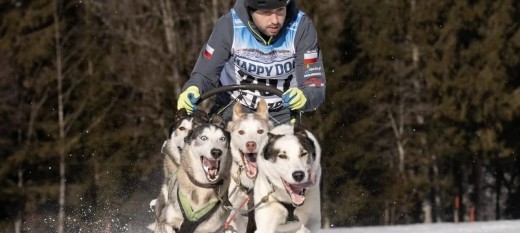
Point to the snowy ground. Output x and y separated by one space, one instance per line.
477 227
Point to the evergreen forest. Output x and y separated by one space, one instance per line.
421 121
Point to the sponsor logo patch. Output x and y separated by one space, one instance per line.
313 82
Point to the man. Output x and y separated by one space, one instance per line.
269 42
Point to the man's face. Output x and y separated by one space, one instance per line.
269 22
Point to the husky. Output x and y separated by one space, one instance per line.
171 150
201 182
172 147
248 136
287 185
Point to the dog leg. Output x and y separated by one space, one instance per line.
269 216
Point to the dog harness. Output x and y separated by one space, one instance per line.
193 218
291 217
247 201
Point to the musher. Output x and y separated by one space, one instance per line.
268 42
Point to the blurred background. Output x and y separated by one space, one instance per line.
421 122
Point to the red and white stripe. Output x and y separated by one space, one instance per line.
208 52
310 57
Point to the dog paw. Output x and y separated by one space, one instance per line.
303 229
230 229
152 204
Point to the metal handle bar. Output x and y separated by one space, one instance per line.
250 87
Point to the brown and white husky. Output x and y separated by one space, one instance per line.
248 136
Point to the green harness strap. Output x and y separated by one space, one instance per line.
192 219
190 214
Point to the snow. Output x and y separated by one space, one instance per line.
476 227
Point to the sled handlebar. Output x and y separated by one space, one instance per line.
251 87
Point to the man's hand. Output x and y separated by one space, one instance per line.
188 99
294 98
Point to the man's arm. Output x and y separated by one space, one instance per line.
213 56
310 73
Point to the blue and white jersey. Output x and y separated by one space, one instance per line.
255 63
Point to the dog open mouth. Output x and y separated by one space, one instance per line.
249 160
296 191
211 167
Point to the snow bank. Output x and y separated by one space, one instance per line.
477 227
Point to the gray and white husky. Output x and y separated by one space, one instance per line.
201 182
289 177
248 136
172 147
171 150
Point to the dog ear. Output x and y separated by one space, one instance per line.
262 110
181 114
272 137
238 112
200 114
199 118
304 138
298 130
218 121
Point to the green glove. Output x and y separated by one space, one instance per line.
188 99
294 98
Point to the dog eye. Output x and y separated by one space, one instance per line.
241 132
260 131
203 138
303 154
223 139
182 128
282 156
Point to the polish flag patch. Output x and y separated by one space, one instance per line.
310 57
208 52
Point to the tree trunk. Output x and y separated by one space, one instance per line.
398 128
498 188
61 122
387 213
168 24
171 43
437 211
427 211
479 189
19 214
214 7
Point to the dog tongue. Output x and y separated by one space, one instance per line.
251 165
296 191
211 165
297 199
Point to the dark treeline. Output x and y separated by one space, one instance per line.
420 124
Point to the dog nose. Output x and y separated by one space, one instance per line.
298 176
216 153
251 146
